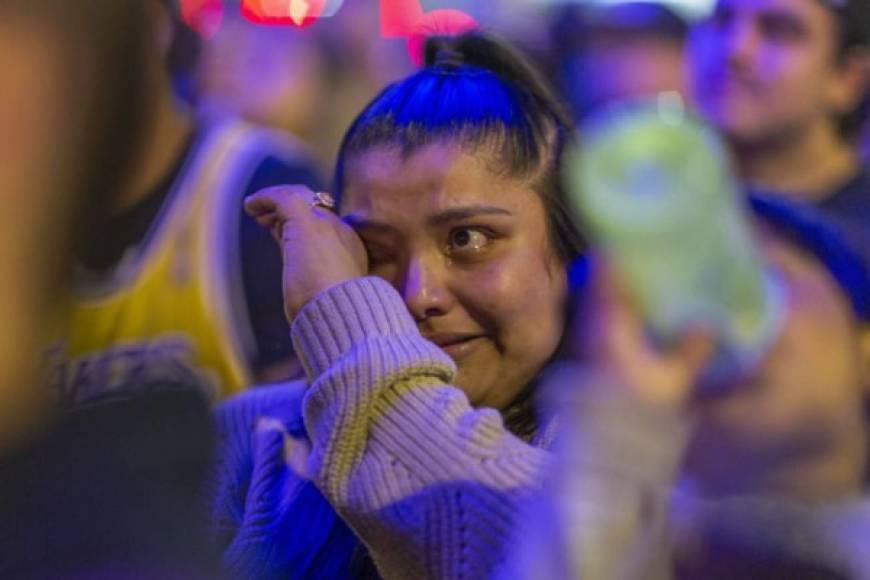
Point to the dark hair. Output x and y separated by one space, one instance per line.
853 17
853 22
480 93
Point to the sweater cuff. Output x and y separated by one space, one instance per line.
345 315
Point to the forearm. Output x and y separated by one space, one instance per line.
430 484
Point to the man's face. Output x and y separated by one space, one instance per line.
766 70
796 426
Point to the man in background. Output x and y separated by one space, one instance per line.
176 283
786 82
107 491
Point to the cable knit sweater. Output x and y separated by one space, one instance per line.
429 484
437 489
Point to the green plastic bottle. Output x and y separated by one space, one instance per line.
656 188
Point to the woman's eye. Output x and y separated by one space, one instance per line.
468 240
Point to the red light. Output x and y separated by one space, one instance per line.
406 19
399 17
299 13
444 22
204 16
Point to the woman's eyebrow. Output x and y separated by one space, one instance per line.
362 223
455 214
445 217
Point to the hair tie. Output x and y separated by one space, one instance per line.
444 22
449 58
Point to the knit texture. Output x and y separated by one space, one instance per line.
437 489
427 482
430 485
269 521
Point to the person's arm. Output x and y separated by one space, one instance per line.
429 484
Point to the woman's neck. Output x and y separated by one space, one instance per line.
520 417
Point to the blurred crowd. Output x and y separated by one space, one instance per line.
318 301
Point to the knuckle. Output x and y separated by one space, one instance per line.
285 192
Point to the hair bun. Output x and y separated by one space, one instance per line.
449 58
447 22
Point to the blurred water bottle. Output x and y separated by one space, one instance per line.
656 188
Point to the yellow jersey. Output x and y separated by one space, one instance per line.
171 311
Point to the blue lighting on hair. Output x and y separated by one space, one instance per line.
468 105
446 100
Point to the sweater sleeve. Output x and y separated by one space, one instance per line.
269 520
431 485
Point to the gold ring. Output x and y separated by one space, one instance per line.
324 200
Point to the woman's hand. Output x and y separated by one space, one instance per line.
318 249
609 335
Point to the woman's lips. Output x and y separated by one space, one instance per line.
457 345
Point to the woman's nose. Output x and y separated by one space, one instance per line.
425 288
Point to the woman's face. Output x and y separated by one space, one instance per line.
469 251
